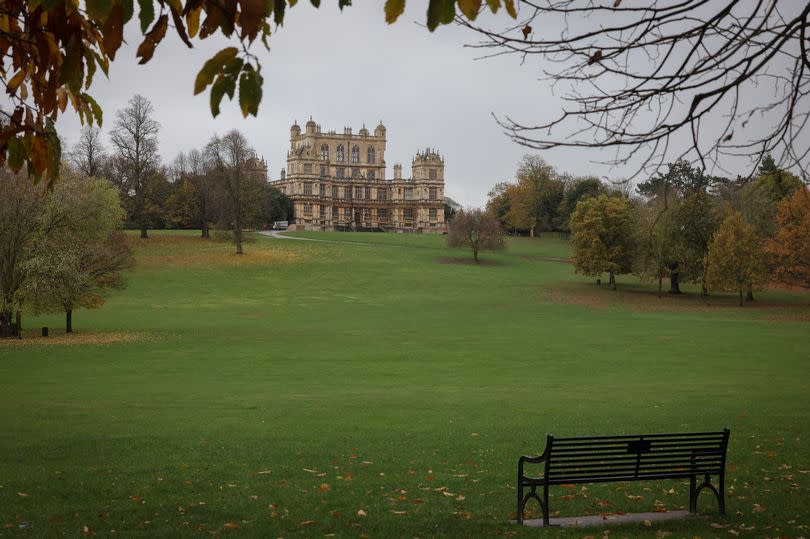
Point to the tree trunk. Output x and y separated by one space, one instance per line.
660 283
6 330
749 295
237 238
144 234
674 282
69 321
18 323
475 254
741 301
612 281
531 231
206 232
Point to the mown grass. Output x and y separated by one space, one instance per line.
280 393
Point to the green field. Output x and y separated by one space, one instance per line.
279 393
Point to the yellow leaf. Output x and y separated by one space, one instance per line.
193 21
470 8
15 81
510 8
393 9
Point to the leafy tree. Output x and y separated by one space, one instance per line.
655 239
477 230
183 206
696 219
233 164
52 49
537 196
789 249
499 202
776 182
735 258
134 138
576 189
275 206
451 208
602 236
20 209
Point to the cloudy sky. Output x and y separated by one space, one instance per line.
350 69
346 69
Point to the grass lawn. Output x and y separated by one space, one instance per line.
386 390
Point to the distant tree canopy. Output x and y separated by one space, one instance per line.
51 52
477 230
602 236
60 248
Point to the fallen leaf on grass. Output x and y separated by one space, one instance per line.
324 487
660 534
23 494
397 512
230 525
648 523
361 513
137 499
307 522
758 508
717 526
87 531
417 500
263 472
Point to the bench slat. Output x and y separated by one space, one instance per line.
636 436
619 457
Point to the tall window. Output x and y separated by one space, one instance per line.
308 210
371 155
432 174
358 192
323 211
334 212
323 171
432 213
355 172
340 154
368 193
307 188
325 152
432 193
347 213
409 193
334 191
381 194
407 214
382 214
347 191
370 174
340 172
355 154
322 190
308 168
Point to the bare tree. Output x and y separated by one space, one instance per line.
88 154
135 140
663 81
230 159
477 230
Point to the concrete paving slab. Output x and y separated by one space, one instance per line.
606 520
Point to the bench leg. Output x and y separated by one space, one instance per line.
520 502
545 505
693 495
721 499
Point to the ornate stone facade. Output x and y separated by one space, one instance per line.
338 182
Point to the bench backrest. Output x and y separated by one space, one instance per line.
641 456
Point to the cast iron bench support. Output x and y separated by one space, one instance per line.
637 457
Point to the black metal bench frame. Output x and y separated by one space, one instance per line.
638 457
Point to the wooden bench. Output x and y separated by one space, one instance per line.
638 457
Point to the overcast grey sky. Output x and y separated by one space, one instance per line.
346 69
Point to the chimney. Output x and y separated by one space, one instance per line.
397 171
283 174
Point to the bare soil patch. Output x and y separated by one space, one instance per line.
91 338
470 261
637 298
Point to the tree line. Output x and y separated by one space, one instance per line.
60 249
680 225
687 226
222 185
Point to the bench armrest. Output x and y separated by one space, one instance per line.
531 460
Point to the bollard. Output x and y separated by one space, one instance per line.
45 331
